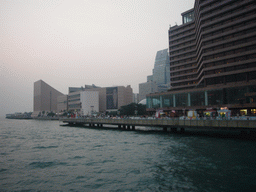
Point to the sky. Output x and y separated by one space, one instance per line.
70 43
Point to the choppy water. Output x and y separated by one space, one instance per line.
43 156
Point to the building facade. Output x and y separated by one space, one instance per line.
110 99
212 59
62 103
161 71
160 80
45 98
135 98
149 78
147 88
89 102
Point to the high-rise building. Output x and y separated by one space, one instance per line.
212 59
45 98
161 71
135 98
160 80
149 78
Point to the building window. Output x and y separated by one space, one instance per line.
197 98
236 95
215 97
188 17
155 102
252 75
181 100
167 101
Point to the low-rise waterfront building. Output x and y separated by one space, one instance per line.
62 103
110 98
45 98
83 103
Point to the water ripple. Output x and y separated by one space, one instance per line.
43 147
43 165
43 156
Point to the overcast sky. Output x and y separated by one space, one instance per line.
70 43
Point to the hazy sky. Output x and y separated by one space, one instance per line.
70 43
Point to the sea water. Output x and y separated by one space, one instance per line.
45 156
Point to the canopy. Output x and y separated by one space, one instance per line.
223 111
209 110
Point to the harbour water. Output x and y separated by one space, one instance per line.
44 156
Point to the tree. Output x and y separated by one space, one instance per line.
132 108
51 114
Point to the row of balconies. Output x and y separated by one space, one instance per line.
215 69
199 43
195 70
200 54
225 34
227 48
219 18
195 83
213 52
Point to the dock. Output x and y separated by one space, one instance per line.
165 124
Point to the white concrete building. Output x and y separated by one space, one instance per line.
89 102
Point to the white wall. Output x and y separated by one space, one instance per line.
88 99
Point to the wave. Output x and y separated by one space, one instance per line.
43 147
43 165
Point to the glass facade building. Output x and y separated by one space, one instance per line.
161 71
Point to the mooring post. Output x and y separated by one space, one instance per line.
133 127
165 129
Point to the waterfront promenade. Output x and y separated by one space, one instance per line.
174 124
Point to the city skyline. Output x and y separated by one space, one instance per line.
69 44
